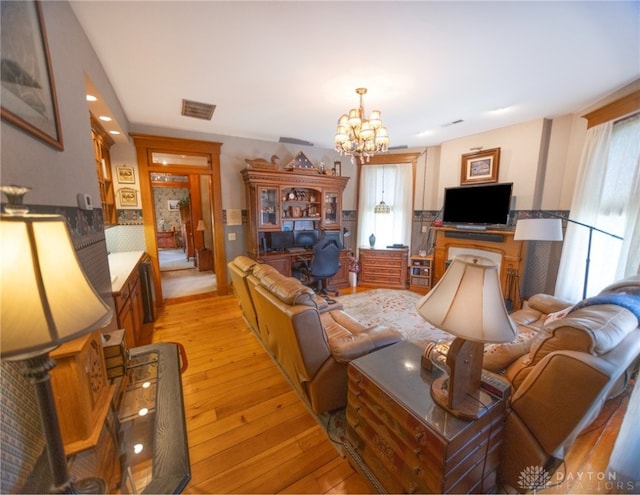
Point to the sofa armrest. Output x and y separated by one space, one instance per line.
349 347
546 303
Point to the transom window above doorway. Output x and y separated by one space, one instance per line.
179 159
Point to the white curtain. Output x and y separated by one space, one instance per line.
392 183
606 197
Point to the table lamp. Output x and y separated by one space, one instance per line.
46 300
468 303
200 228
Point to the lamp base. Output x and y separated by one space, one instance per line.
473 406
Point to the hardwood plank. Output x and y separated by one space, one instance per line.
250 432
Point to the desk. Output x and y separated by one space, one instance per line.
283 261
403 442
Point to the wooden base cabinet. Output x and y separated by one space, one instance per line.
384 267
130 308
403 442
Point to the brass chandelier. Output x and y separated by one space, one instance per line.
361 137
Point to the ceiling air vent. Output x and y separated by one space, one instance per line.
197 110
290 140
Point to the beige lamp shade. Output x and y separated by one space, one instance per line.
468 303
200 226
538 229
46 298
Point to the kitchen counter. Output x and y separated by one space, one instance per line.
120 266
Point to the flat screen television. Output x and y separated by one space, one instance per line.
481 205
280 241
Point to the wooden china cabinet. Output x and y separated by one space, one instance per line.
102 142
280 201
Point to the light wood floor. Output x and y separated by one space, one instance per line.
249 432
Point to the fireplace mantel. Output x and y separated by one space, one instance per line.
495 243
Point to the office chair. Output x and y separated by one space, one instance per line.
324 264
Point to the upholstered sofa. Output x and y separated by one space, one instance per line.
244 281
312 347
579 356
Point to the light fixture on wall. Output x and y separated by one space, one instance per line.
358 136
468 303
382 207
46 300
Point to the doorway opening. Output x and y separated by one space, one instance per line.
184 242
180 184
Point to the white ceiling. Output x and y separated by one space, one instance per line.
289 69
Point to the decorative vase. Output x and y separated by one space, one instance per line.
14 196
372 240
353 279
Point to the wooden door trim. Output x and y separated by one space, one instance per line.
144 144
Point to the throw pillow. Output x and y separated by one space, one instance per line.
498 356
557 315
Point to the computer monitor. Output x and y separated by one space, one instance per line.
305 238
281 240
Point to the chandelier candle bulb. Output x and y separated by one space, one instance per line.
361 137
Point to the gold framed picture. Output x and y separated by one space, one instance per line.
128 196
126 175
480 167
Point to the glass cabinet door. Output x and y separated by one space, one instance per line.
331 209
268 198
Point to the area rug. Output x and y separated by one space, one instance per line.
392 308
173 259
181 283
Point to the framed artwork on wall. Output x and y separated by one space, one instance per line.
126 175
28 92
173 204
480 167
128 197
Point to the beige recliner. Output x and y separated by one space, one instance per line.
239 269
313 348
559 388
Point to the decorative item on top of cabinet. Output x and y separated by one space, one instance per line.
301 164
261 163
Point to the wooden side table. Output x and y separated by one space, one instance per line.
403 442
204 259
384 267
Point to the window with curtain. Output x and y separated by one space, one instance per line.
392 183
606 197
